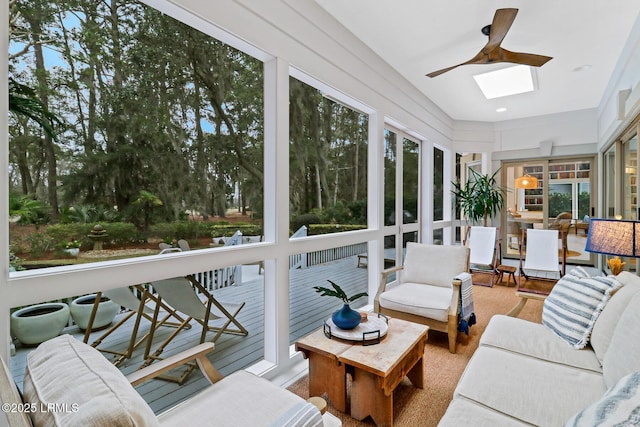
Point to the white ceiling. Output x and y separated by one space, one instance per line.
417 37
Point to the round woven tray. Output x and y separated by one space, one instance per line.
365 331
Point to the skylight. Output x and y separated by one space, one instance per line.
506 82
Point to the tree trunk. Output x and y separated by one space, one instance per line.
48 144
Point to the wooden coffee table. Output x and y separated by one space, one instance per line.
375 370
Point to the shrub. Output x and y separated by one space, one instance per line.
315 229
39 243
118 233
230 229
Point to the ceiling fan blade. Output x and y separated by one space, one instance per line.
524 58
502 21
492 52
480 58
444 70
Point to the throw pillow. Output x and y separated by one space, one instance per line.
619 406
574 304
579 272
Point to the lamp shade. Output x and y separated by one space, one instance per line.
527 182
613 237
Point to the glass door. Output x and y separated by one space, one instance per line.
524 203
569 199
629 184
549 194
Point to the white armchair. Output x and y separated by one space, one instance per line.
425 291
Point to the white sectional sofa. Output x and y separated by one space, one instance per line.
524 374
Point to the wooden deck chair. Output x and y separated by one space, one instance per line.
136 306
484 246
181 294
543 255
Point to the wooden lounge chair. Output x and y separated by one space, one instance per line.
181 293
138 307
484 255
541 266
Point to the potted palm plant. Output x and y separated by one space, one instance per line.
480 198
346 317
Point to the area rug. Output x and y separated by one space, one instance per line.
414 407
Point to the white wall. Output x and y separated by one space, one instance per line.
617 110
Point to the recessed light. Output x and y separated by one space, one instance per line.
501 110
584 67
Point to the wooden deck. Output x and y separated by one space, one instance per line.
308 311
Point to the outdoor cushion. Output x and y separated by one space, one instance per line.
608 319
520 387
574 304
536 340
241 399
623 355
85 387
432 302
451 260
463 412
620 406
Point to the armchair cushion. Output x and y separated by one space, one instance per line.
87 389
434 264
432 302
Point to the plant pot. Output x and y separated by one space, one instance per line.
38 323
346 318
73 251
81 308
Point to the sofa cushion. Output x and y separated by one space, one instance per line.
420 261
620 406
535 340
240 399
608 319
623 354
85 388
462 412
574 304
432 302
525 388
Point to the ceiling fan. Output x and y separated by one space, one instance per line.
492 52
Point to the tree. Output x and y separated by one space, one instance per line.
24 102
147 201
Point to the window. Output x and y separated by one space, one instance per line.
161 135
390 162
328 163
401 200
438 184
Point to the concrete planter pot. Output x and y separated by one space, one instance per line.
38 323
73 251
81 308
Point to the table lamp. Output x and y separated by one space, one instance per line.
614 237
